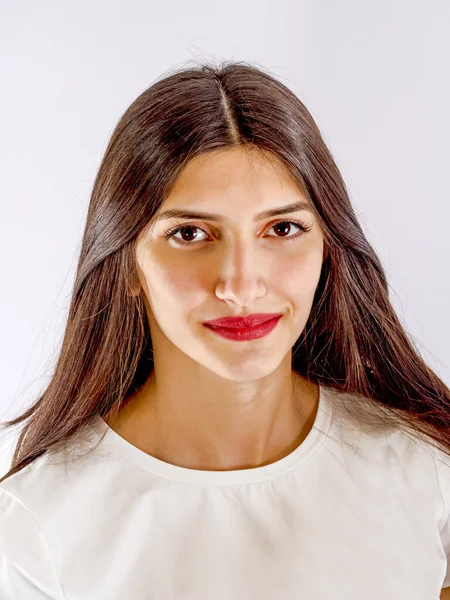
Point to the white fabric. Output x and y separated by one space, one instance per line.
352 513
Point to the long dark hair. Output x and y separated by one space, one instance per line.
353 341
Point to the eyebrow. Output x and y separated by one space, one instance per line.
265 214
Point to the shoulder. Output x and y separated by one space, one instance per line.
55 479
25 559
442 467
365 429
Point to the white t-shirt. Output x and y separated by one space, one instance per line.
352 513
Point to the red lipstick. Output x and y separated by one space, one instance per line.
260 326
247 321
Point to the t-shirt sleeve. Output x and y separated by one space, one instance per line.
443 474
26 569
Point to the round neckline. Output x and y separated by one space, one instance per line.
322 422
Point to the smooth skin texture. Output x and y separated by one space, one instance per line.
212 403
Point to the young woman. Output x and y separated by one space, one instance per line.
236 411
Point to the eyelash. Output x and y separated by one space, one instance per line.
170 233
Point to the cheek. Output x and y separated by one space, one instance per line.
298 275
176 282
184 282
294 275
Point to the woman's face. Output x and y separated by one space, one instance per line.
233 265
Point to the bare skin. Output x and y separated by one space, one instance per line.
172 435
212 403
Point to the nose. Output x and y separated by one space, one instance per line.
242 275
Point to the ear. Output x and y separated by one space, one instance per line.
134 288
132 292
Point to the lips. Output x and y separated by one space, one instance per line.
237 322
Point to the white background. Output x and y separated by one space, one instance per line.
374 75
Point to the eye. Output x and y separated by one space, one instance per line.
301 226
280 225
